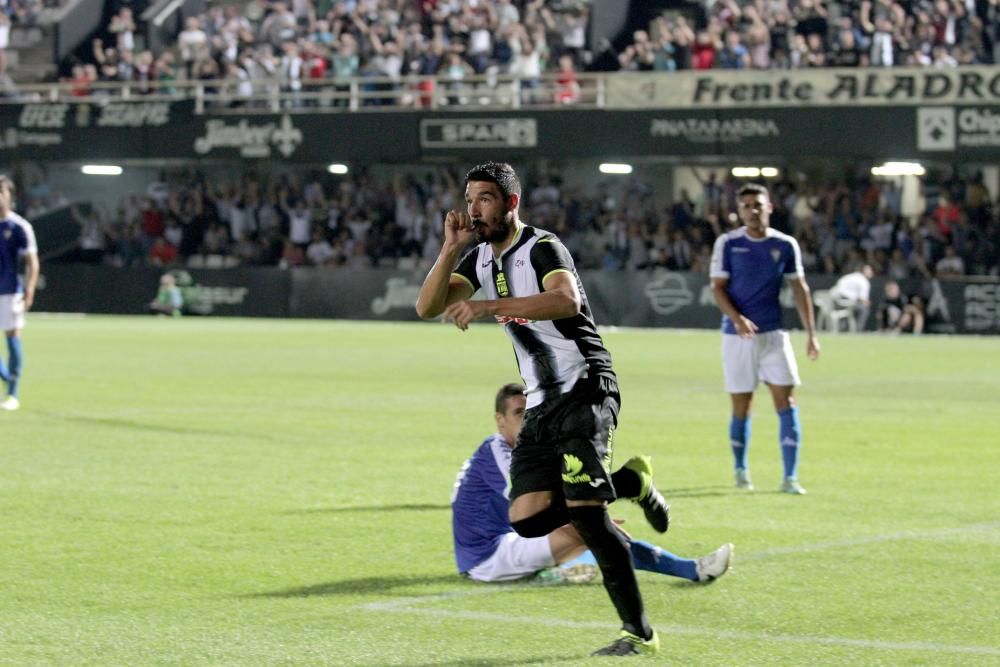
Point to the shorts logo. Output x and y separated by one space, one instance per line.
573 467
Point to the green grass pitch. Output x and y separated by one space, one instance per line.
262 492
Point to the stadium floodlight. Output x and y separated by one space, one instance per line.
101 170
899 169
746 172
769 172
615 168
337 168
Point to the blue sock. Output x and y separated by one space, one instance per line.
14 347
652 558
4 376
586 558
739 440
790 432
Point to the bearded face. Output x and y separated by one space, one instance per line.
490 212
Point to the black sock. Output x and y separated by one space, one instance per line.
626 482
614 557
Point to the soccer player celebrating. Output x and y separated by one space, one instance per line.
487 548
747 270
17 240
560 469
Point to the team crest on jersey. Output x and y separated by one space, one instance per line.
502 285
776 254
6 234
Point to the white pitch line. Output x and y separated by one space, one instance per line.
406 606
417 604
874 539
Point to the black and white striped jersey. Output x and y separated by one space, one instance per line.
551 355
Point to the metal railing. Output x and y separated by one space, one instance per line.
272 95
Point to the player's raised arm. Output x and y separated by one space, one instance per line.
441 288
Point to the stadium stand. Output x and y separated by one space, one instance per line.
314 218
404 53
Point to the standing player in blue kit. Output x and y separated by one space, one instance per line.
749 266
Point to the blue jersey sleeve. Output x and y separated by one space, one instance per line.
480 504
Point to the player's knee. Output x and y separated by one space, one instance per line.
541 523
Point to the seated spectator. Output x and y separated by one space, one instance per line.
168 299
853 291
951 265
897 313
162 253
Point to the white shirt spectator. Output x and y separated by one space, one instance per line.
950 265
852 288
319 252
299 227
191 39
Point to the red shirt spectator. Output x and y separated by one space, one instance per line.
152 221
162 253
703 51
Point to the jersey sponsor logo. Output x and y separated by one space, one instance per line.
668 293
506 319
573 470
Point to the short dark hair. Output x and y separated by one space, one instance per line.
500 173
507 392
753 189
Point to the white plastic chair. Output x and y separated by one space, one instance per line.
830 314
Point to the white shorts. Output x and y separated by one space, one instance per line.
766 357
516 557
11 311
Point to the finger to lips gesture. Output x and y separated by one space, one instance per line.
458 227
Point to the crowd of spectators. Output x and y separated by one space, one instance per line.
760 34
260 44
360 221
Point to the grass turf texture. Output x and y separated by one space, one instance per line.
261 492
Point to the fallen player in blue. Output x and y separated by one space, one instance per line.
488 549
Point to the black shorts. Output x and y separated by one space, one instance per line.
565 444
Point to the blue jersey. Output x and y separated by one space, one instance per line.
17 238
755 270
480 502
